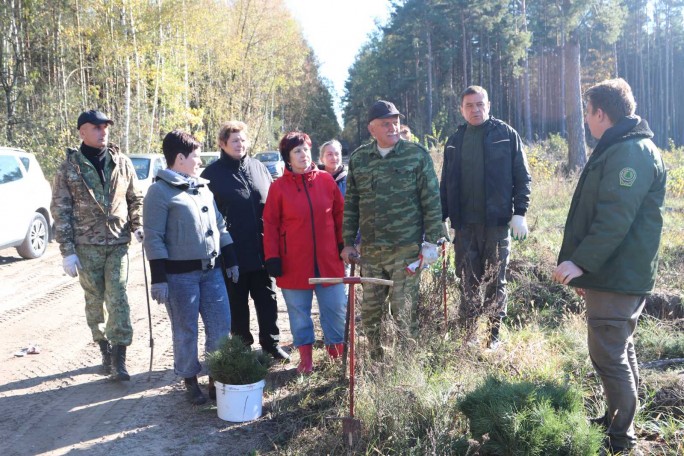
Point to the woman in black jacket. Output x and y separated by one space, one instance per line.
240 185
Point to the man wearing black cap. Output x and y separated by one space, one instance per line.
393 199
97 207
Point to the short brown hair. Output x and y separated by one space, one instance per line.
178 142
472 90
290 141
614 97
230 127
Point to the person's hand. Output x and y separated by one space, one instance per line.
139 234
565 272
429 253
518 226
447 233
160 292
71 265
348 253
274 267
233 273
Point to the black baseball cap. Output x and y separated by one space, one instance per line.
94 117
382 109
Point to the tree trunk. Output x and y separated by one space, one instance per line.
429 82
577 153
526 81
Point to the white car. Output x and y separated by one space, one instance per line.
208 158
146 167
273 161
25 195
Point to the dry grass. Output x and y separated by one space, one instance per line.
409 403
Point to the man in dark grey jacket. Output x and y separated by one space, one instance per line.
610 245
485 188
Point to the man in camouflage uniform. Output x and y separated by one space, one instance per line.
393 198
96 207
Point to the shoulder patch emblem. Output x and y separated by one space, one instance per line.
627 177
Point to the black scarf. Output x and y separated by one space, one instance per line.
97 158
628 127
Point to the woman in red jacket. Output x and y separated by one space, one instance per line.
303 239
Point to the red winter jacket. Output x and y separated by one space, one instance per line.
303 227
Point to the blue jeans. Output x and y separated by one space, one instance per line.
194 294
332 306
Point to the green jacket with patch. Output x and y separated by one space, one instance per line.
615 220
87 212
392 200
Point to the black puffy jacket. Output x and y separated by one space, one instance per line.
507 177
240 188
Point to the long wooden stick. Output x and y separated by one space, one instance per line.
350 280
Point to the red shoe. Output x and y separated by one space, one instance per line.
305 359
335 350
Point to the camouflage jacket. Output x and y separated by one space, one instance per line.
393 200
85 211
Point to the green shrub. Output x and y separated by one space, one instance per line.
234 363
657 339
528 418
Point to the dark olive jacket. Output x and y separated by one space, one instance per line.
507 177
615 220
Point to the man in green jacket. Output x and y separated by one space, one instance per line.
610 245
97 208
393 199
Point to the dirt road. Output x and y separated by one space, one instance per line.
57 402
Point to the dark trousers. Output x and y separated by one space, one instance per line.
261 287
611 323
481 260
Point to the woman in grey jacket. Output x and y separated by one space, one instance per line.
185 241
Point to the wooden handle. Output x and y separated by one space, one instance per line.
352 280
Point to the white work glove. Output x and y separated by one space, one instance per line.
71 265
428 255
139 234
160 292
518 226
233 272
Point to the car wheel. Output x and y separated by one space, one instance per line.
36 240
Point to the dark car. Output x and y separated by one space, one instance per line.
273 161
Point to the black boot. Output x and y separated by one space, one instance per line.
276 351
119 363
494 329
106 351
212 389
194 392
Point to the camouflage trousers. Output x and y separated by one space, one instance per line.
399 301
103 277
481 261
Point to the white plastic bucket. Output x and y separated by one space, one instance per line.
238 403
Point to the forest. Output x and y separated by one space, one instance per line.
534 57
156 65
